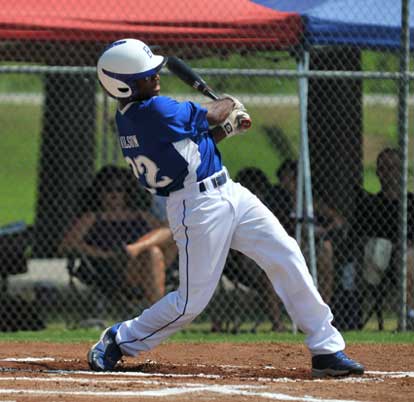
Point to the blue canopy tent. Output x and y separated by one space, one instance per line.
367 24
362 23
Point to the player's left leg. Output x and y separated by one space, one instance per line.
260 236
202 227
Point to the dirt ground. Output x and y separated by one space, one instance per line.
202 372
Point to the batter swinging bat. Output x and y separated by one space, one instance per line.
190 77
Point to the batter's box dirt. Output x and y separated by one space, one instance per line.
208 372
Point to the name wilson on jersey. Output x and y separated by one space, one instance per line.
128 141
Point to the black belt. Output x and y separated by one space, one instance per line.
217 181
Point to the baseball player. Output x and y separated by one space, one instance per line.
171 148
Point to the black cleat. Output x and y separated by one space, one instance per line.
105 354
335 365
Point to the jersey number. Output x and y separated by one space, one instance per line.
143 166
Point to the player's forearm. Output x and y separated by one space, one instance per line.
218 111
218 134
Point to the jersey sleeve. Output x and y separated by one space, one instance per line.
178 120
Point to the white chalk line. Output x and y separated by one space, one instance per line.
109 381
163 389
241 390
29 359
378 375
389 374
219 389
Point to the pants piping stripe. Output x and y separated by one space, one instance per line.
187 287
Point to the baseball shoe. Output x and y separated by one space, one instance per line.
334 365
105 354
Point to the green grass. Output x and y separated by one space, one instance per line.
193 334
20 146
20 83
52 334
255 148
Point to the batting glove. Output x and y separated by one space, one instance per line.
237 122
237 104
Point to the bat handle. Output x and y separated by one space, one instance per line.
207 91
244 123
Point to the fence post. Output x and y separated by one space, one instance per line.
403 146
304 165
68 146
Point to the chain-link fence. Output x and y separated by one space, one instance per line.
69 204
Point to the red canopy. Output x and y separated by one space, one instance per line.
218 23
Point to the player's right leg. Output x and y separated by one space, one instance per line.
261 237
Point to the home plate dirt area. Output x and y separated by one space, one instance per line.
202 372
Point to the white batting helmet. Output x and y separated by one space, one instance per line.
122 63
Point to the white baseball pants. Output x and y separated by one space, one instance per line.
205 226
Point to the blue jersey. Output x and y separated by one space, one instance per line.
167 143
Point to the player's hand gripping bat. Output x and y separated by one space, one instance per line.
190 77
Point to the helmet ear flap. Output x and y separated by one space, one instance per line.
118 89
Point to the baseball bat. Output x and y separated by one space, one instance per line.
183 71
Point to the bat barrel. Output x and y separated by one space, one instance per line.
189 76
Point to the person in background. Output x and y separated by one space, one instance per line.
115 216
375 231
282 199
345 297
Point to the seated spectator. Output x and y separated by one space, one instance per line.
283 195
345 295
376 231
104 234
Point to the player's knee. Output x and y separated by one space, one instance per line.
189 313
185 307
292 253
194 310
197 302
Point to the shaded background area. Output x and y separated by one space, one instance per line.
57 127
